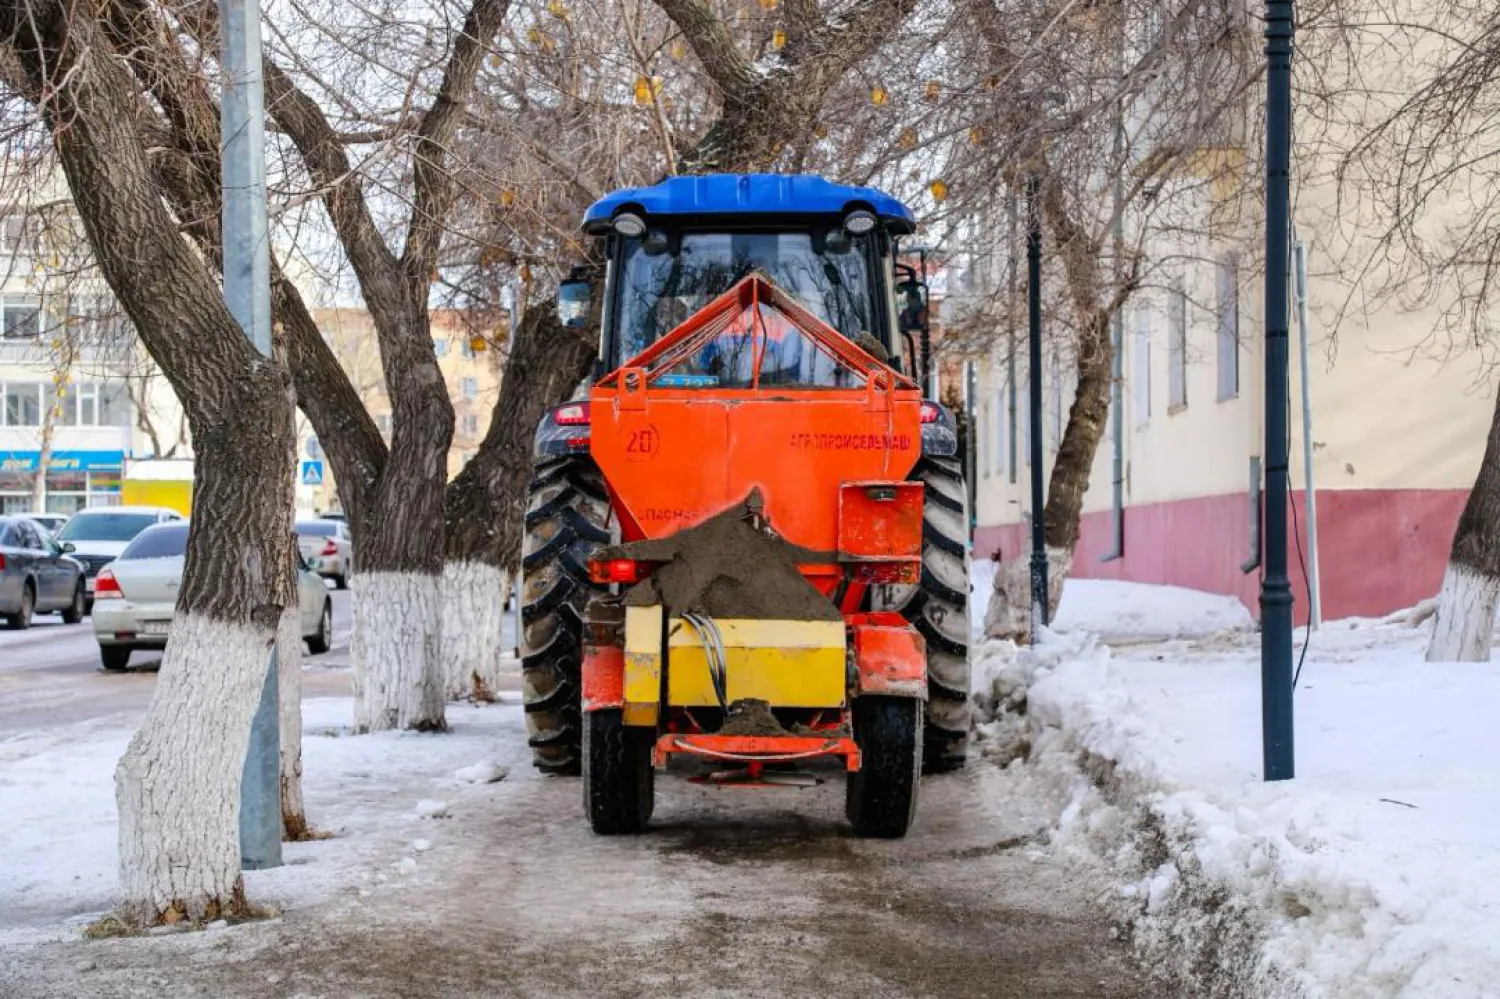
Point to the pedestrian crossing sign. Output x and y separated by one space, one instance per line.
312 473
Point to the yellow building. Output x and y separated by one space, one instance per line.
469 355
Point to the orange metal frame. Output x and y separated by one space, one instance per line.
758 750
674 457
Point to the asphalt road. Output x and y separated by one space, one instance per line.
50 674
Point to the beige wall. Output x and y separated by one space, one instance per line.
351 334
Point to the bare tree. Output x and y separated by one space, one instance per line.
1409 146
178 782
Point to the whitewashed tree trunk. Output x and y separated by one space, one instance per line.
396 647
178 785
1465 620
473 606
1009 613
289 680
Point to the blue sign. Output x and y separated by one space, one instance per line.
312 473
63 461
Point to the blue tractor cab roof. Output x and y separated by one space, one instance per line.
752 194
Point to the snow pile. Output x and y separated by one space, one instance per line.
1375 874
369 791
1119 610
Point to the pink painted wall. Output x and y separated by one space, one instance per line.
1380 549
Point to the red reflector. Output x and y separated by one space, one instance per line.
574 414
106 586
619 570
929 412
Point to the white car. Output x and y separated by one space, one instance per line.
53 522
99 534
135 597
329 542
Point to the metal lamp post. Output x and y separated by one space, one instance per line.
1034 404
247 292
1276 586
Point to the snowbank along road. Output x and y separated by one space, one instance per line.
437 886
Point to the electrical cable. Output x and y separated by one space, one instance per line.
1296 532
713 654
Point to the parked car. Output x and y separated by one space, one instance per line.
329 542
53 522
135 597
98 535
37 575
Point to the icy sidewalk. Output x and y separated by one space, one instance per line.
1375 874
378 794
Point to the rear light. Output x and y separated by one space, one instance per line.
2 563
619 570
329 548
106 586
930 412
574 414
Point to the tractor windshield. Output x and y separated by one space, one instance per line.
662 282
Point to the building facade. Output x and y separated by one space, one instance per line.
1399 414
79 399
470 359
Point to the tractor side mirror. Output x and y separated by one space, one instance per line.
573 299
911 299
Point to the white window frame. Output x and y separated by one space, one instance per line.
1177 337
9 302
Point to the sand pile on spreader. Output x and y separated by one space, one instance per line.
727 568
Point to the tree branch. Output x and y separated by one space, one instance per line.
433 187
714 45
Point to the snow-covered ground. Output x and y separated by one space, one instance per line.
58 816
1376 873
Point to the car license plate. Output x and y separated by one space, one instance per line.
155 628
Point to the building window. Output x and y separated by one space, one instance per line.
984 443
470 388
1177 350
23 404
1000 432
1141 377
1056 401
18 233
114 405
440 346
383 421
20 317
1228 334
471 424
466 347
1023 417
97 321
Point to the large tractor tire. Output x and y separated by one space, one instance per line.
939 609
567 519
880 797
619 784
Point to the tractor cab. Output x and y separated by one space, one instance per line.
671 249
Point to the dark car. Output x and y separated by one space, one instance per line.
37 576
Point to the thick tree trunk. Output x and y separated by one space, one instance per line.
1009 614
485 503
177 786
1465 621
473 600
397 646
289 679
